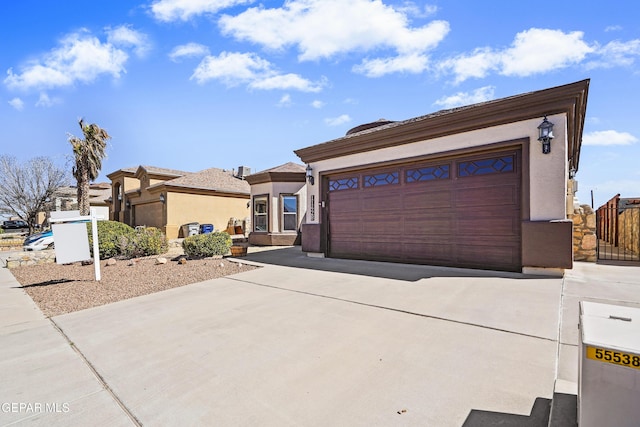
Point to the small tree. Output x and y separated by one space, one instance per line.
25 188
88 154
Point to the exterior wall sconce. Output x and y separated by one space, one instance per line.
162 198
128 204
545 135
309 174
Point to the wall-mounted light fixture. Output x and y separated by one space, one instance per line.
119 197
128 204
545 135
162 198
309 174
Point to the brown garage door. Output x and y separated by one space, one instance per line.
462 212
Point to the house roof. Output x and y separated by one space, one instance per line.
124 171
288 172
212 179
98 192
164 172
570 99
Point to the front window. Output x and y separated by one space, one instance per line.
289 213
260 213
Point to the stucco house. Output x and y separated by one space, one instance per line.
66 199
168 198
465 187
278 205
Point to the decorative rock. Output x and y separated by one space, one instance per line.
182 261
161 260
111 261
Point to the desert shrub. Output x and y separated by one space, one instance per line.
144 242
111 237
204 245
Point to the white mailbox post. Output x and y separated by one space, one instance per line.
609 366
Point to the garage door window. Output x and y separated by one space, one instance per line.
486 166
430 173
343 184
380 179
260 213
289 213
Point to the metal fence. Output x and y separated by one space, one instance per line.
618 232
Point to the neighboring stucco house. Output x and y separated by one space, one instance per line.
465 187
168 198
66 199
278 204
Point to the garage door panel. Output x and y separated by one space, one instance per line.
425 224
383 224
347 204
433 251
438 199
383 249
504 195
502 227
346 247
381 201
467 214
346 227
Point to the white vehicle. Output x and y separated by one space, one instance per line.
39 241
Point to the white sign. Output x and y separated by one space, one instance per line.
71 241
74 244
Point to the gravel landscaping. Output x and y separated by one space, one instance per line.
59 289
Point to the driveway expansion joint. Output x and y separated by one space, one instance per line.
99 377
396 310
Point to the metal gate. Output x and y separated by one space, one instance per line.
618 232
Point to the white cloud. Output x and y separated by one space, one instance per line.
616 53
533 51
608 137
45 101
231 68
126 37
317 104
613 28
337 121
482 94
539 50
356 25
414 63
285 101
183 10
285 81
80 57
189 50
234 68
17 103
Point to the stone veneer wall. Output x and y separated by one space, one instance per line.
584 234
31 258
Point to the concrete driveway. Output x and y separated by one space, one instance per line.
303 342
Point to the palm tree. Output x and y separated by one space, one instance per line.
88 153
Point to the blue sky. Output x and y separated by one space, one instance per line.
193 84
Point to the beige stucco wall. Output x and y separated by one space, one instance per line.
275 190
548 172
184 208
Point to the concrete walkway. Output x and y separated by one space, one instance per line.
307 342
